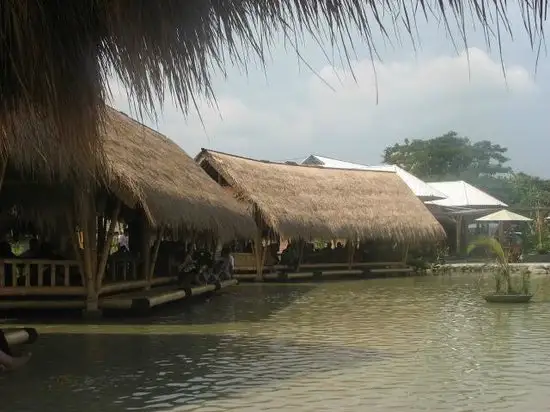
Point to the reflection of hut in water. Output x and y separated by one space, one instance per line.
147 182
307 203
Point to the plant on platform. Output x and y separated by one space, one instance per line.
503 276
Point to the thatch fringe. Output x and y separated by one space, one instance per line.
167 183
316 202
56 56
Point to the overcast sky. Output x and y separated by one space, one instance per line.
286 112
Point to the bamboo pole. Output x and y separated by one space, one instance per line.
85 222
458 234
351 253
75 242
107 245
155 254
101 234
301 247
145 247
3 172
257 248
406 254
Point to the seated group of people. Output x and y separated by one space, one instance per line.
36 250
199 267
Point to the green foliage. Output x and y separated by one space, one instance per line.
503 277
493 246
448 156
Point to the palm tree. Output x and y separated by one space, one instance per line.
503 271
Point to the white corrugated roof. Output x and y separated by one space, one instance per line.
420 188
462 194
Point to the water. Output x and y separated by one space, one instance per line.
415 344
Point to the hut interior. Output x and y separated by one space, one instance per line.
370 218
155 193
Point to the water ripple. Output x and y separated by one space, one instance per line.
426 344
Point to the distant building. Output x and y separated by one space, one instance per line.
421 189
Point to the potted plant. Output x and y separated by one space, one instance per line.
504 288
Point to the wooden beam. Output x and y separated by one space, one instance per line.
155 254
3 171
351 253
301 246
406 253
145 246
107 244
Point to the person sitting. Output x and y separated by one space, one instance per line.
187 269
226 265
33 252
289 256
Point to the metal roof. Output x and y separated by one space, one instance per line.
421 189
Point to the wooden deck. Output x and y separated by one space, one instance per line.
145 300
325 270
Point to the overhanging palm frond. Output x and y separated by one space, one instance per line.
57 56
490 244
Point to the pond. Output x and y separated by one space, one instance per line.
410 344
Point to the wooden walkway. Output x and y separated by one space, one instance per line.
328 270
144 300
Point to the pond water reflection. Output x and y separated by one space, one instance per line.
411 344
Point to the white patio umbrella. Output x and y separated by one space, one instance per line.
503 216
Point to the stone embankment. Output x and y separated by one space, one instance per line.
534 268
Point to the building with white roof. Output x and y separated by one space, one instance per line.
460 194
421 189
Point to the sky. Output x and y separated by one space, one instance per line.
288 109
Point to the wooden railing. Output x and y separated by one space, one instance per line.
125 269
40 277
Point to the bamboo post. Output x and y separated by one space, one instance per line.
258 246
87 224
145 247
258 253
107 245
351 253
3 172
301 247
406 254
75 242
458 234
155 254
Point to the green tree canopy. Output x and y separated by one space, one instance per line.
449 156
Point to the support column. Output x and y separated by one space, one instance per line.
458 235
154 255
106 243
88 225
351 253
258 246
145 247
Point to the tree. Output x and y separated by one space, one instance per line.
449 156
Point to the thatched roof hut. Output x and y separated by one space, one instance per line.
58 57
310 201
166 182
145 169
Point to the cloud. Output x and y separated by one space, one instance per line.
354 113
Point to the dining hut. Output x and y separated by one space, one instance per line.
146 182
305 203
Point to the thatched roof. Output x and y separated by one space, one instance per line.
145 167
310 201
57 57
